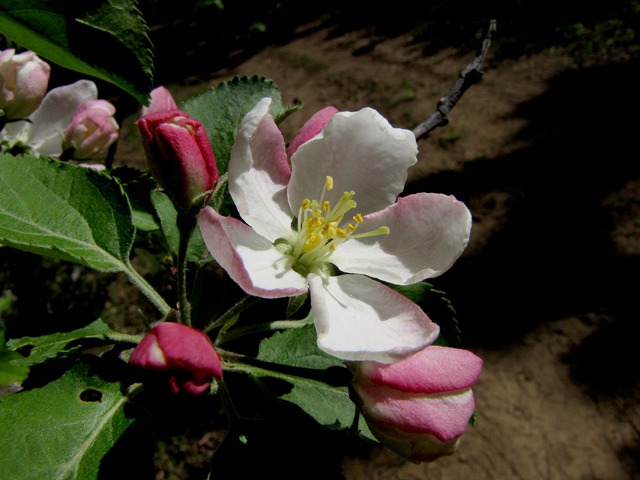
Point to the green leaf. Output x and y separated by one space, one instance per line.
310 379
10 372
106 39
62 430
77 214
296 347
46 347
221 110
329 405
168 215
59 210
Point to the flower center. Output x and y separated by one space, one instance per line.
322 227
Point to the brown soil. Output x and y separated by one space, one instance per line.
540 153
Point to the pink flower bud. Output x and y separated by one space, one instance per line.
91 131
24 79
180 156
419 407
185 353
161 101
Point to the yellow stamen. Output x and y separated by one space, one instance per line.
320 230
328 184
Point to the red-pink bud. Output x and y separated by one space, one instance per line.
185 353
419 407
180 156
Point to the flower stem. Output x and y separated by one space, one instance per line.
237 309
124 337
186 225
153 296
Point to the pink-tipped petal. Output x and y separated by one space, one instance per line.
311 128
417 447
428 232
249 259
160 100
435 369
259 173
444 416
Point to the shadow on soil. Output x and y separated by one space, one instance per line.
554 257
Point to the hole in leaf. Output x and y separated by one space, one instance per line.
91 395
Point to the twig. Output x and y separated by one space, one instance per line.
470 75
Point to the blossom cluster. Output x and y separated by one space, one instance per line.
68 122
323 216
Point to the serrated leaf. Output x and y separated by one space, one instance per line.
220 111
328 405
62 430
46 347
9 372
107 39
62 211
296 347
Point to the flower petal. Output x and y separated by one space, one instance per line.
53 115
259 173
160 100
249 259
360 319
362 152
444 416
311 128
435 369
428 232
417 447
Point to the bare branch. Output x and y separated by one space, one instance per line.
470 75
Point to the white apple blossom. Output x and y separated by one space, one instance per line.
42 132
304 230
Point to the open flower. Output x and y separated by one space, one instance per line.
42 133
186 354
304 229
419 407
180 156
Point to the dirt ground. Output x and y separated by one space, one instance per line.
542 153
